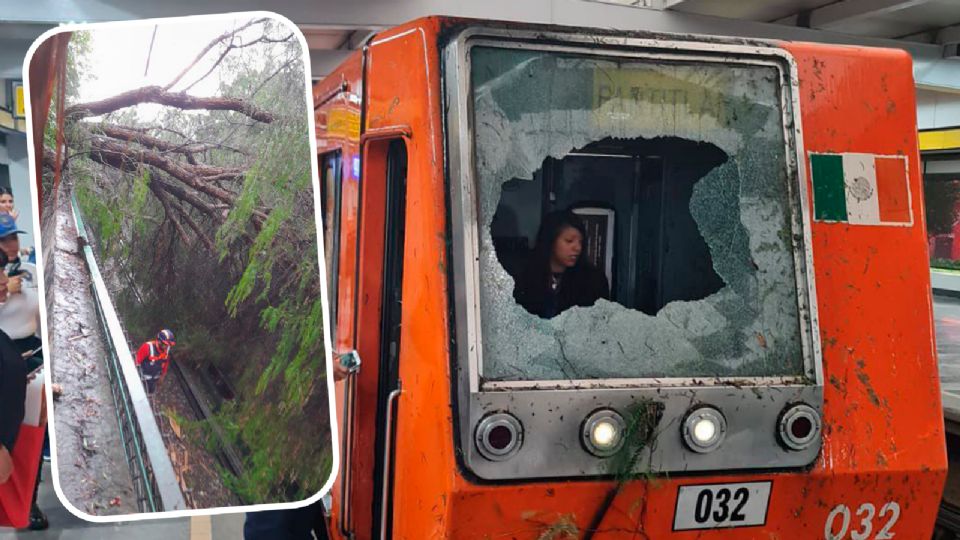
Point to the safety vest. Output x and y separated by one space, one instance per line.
154 362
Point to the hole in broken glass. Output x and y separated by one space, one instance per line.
610 220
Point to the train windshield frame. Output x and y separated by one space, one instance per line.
514 145
542 423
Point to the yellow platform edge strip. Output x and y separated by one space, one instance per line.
941 139
201 528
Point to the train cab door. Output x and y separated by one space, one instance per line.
377 323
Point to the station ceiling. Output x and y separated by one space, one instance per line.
915 20
334 28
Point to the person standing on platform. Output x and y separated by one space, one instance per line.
13 390
20 316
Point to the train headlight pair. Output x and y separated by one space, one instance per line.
705 428
499 436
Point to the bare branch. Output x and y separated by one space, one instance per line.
112 153
265 81
206 49
155 94
129 134
139 136
223 176
214 66
191 198
168 211
230 47
165 197
209 170
153 38
281 40
196 228
189 139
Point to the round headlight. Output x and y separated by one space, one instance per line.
799 426
499 436
602 432
704 429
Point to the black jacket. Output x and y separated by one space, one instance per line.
13 389
581 285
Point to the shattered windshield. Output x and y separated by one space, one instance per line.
634 218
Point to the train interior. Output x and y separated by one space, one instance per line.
634 198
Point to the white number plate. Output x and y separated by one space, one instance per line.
715 506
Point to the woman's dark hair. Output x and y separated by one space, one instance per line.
550 228
582 284
4 190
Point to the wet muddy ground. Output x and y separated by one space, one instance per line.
92 468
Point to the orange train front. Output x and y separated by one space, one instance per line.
761 361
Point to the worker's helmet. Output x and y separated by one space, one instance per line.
166 337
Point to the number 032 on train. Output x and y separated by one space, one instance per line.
594 284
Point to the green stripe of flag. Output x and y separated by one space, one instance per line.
829 197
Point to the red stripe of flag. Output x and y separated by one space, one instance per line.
892 190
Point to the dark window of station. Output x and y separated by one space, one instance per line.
941 199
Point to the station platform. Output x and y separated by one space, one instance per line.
945 282
946 314
63 524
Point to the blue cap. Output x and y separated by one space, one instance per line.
8 226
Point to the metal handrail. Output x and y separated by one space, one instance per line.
346 478
153 476
388 437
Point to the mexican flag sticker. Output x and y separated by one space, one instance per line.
860 189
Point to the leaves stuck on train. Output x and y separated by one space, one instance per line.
642 419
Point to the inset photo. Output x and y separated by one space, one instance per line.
184 304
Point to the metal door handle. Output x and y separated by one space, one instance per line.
388 437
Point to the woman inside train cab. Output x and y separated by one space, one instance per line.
557 276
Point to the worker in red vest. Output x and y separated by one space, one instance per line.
153 359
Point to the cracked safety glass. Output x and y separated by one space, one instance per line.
634 218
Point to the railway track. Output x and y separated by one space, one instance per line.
948 523
227 455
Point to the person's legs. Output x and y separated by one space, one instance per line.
38 520
320 522
293 524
